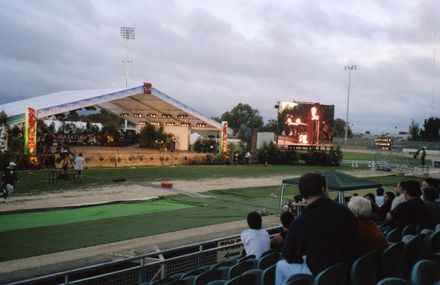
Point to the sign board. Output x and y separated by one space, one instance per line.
383 143
3 139
224 140
147 88
30 132
231 252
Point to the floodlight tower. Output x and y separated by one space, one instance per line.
127 33
349 68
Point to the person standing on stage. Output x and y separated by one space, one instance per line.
79 167
9 179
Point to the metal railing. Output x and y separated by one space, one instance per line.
150 266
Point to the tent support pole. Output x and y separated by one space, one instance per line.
282 194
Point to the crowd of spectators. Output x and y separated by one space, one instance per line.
327 232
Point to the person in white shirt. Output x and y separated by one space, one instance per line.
400 197
255 239
247 158
79 167
379 196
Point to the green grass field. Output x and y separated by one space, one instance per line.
41 232
35 182
46 218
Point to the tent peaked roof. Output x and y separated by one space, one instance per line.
338 181
136 106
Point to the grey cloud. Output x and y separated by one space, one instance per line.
197 53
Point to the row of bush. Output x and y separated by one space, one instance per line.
271 154
268 154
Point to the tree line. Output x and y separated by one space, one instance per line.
429 132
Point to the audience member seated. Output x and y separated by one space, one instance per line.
379 196
429 196
255 239
413 211
388 198
323 235
400 196
375 210
433 183
276 242
371 236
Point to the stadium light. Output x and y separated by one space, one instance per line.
127 33
349 68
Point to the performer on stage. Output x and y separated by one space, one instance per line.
313 126
294 126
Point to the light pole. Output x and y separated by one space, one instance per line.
349 68
128 34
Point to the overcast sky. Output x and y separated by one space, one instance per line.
212 55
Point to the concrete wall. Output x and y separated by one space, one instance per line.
126 157
264 137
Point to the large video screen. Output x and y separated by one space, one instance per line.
305 123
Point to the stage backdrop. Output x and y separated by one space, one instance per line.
181 134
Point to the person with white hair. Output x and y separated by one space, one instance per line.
370 234
9 179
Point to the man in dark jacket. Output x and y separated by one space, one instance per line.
323 235
413 211
9 179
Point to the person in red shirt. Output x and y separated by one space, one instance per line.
370 234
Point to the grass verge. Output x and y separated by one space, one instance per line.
222 206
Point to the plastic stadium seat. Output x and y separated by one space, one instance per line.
194 272
268 260
364 269
335 274
245 279
208 276
434 241
268 252
407 238
178 282
411 254
217 282
409 230
393 281
227 263
425 272
240 268
421 227
391 260
300 279
427 232
268 276
247 257
162 281
256 272
394 235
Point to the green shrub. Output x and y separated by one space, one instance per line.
332 157
271 154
